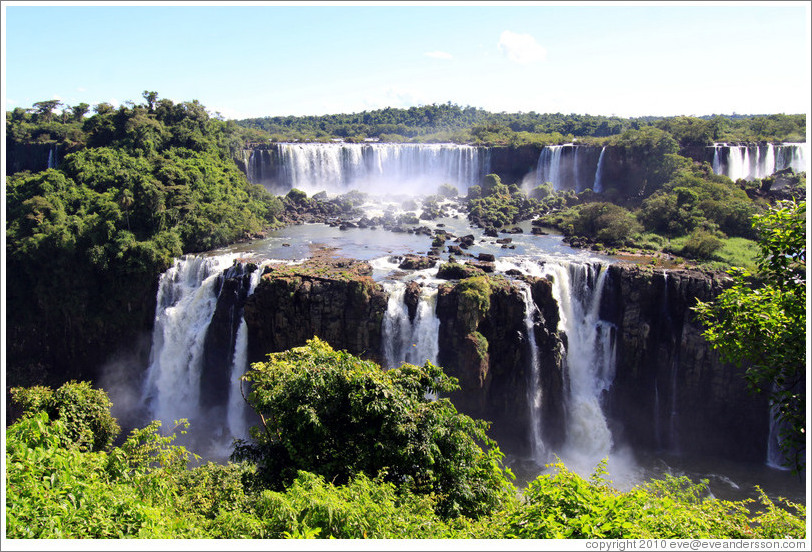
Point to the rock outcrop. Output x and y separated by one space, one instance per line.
334 299
218 347
483 342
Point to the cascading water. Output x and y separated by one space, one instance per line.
775 456
194 372
405 340
52 157
590 359
549 166
753 161
373 168
598 185
534 395
570 167
185 304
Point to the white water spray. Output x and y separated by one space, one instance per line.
376 168
404 340
236 411
590 360
185 305
549 166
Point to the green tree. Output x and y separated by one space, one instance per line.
83 411
79 111
151 97
336 415
761 322
45 109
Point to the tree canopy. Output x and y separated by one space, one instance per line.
331 413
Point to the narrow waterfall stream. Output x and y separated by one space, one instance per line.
534 392
237 409
598 185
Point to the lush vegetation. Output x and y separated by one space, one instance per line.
453 123
692 214
362 453
330 413
143 185
760 321
347 450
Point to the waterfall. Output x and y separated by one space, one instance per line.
376 168
673 415
766 162
534 396
749 162
717 160
194 372
775 456
396 325
549 166
186 301
53 156
673 436
412 341
590 359
598 185
236 411
658 439
571 167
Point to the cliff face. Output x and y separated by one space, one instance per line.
483 342
671 390
334 299
218 355
513 164
30 156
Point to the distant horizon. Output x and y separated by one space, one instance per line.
214 113
267 59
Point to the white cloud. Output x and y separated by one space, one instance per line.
394 97
437 54
521 48
229 113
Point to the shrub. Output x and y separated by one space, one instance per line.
701 244
333 414
84 412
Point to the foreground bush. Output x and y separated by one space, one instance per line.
564 505
56 488
336 415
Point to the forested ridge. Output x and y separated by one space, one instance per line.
468 125
136 187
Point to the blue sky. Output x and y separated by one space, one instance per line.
261 59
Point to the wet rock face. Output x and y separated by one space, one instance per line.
488 352
334 299
412 299
219 342
671 390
